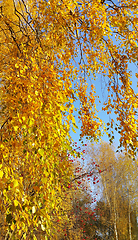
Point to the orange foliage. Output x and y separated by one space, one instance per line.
40 83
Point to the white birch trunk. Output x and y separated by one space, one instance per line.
115 218
129 219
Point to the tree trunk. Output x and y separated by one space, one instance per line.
115 217
129 219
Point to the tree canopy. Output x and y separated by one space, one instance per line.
49 50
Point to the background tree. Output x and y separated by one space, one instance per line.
119 190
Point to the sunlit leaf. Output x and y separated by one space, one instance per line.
41 151
1 173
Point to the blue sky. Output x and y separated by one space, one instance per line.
101 91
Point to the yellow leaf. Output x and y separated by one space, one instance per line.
41 151
33 209
15 128
73 130
42 227
13 226
34 237
15 203
46 173
69 117
1 173
16 65
31 122
73 120
15 183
